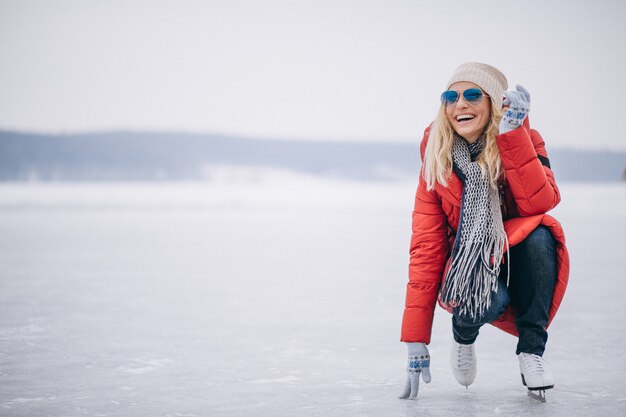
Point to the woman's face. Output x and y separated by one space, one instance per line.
468 120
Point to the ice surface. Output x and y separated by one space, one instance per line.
276 296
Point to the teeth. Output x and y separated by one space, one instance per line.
462 117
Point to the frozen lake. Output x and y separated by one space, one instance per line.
271 296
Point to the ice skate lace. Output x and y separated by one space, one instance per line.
464 357
534 364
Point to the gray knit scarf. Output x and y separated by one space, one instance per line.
480 240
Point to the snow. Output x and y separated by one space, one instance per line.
270 295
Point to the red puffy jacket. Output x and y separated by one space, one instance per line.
529 192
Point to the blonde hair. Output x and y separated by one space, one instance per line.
437 165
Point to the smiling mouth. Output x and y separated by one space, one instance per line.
464 118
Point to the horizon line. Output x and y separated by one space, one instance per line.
278 138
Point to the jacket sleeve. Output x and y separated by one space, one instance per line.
527 169
429 250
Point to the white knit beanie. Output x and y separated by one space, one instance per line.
490 79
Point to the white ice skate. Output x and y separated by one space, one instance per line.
463 362
535 375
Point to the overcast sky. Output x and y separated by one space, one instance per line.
319 69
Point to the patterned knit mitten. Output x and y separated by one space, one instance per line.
419 363
519 106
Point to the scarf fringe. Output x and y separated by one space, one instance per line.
473 275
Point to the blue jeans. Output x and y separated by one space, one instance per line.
533 269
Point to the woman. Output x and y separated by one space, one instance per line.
482 244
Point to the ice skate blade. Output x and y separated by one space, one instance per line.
538 395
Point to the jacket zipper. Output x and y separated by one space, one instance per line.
502 201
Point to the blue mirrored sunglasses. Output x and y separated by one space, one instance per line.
471 95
